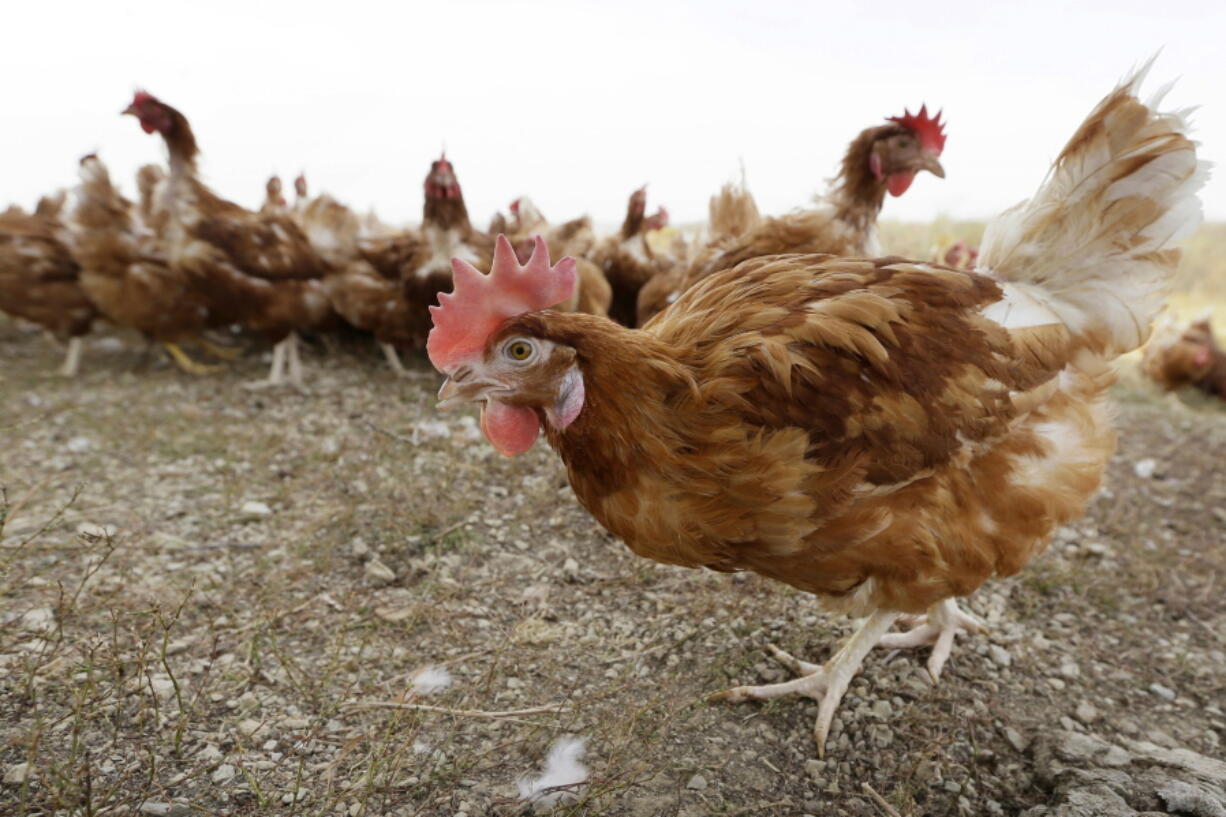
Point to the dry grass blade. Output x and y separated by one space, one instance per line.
880 801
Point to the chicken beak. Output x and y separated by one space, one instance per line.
928 161
455 393
129 111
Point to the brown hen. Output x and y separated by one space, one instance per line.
885 434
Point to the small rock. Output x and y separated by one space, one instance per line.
697 783
79 445
882 709
209 753
570 569
816 769
1069 669
379 573
252 728
1016 739
1056 683
881 735
39 620
999 655
1086 713
89 529
223 773
1184 798
358 548
1163 692
255 510
16 774
155 808
1146 468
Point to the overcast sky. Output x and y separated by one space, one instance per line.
576 104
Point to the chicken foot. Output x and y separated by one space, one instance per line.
185 363
826 683
938 627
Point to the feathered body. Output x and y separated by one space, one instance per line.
123 271
39 278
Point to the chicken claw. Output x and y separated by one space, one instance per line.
938 628
826 683
186 363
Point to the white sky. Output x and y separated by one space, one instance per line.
575 104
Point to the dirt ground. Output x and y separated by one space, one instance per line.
205 590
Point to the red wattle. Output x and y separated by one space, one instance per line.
897 183
510 429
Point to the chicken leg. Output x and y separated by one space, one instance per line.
393 359
276 374
826 683
72 360
295 362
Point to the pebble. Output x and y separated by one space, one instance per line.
79 445
999 655
1146 468
1069 669
223 773
379 573
697 783
570 569
255 510
881 735
39 620
1086 712
816 769
1056 683
16 774
1016 739
1163 692
883 710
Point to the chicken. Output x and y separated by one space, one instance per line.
881 159
254 269
575 238
274 203
126 275
628 261
40 280
1175 358
445 232
884 434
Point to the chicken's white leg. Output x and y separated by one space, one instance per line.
826 683
72 360
276 374
393 359
295 362
938 628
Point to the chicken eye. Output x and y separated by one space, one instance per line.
519 350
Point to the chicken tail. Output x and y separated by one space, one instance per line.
1095 248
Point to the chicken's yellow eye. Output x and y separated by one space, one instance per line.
519 350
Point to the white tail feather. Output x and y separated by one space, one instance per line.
1095 247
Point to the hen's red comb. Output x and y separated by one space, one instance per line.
478 304
143 98
930 131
